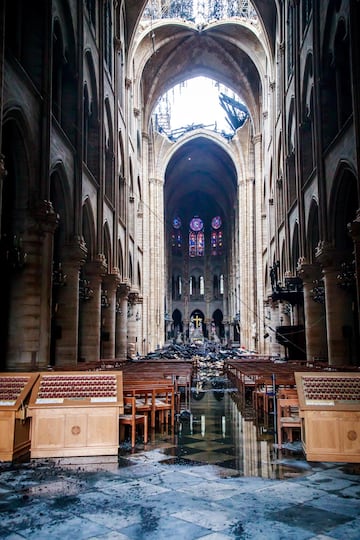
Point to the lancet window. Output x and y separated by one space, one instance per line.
196 238
216 236
176 235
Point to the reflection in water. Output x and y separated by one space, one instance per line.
215 431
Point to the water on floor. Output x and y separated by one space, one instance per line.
212 429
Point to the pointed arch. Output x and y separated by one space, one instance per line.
107 246
109 152
139 279
90 113
88 229
295 249
344 202
313 233
121 260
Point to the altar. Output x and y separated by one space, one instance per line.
196 334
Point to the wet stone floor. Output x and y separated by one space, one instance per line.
218 476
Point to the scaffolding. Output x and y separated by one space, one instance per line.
197 11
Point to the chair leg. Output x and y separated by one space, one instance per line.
133 435
145 429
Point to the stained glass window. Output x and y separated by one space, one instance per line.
176 222
216 236
176 235
216 222
192 244
200 244
196 224
196 237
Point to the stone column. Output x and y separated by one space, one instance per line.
338 306
314 311
90 317
108 315
3 171
354 229
46 221
257 271
156 282
121 321
66 309
30 295
132 323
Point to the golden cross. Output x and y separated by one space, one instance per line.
197 321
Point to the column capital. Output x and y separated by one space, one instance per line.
354 227
308 272
111 281
328 256
123 289
45 217
75 252
96 268
133 297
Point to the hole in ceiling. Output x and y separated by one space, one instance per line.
196 103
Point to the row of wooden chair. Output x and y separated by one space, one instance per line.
144 400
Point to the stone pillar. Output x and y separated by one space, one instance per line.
314 311
3 171
156 279
257 287
354 229
338 306
108 316
66 309
132 322
46 220
30 297
276 348
121 321
90 316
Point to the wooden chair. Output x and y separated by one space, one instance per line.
130 418
263 397
163 404
287 419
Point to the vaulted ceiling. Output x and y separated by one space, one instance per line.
266 10
201 177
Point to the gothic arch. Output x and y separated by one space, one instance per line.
61 197
64 72
17 150
336 96
109 152
88 229
139 279
344 201
90 113
283 265
306 127
313 233
295 249
107 246
131 273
